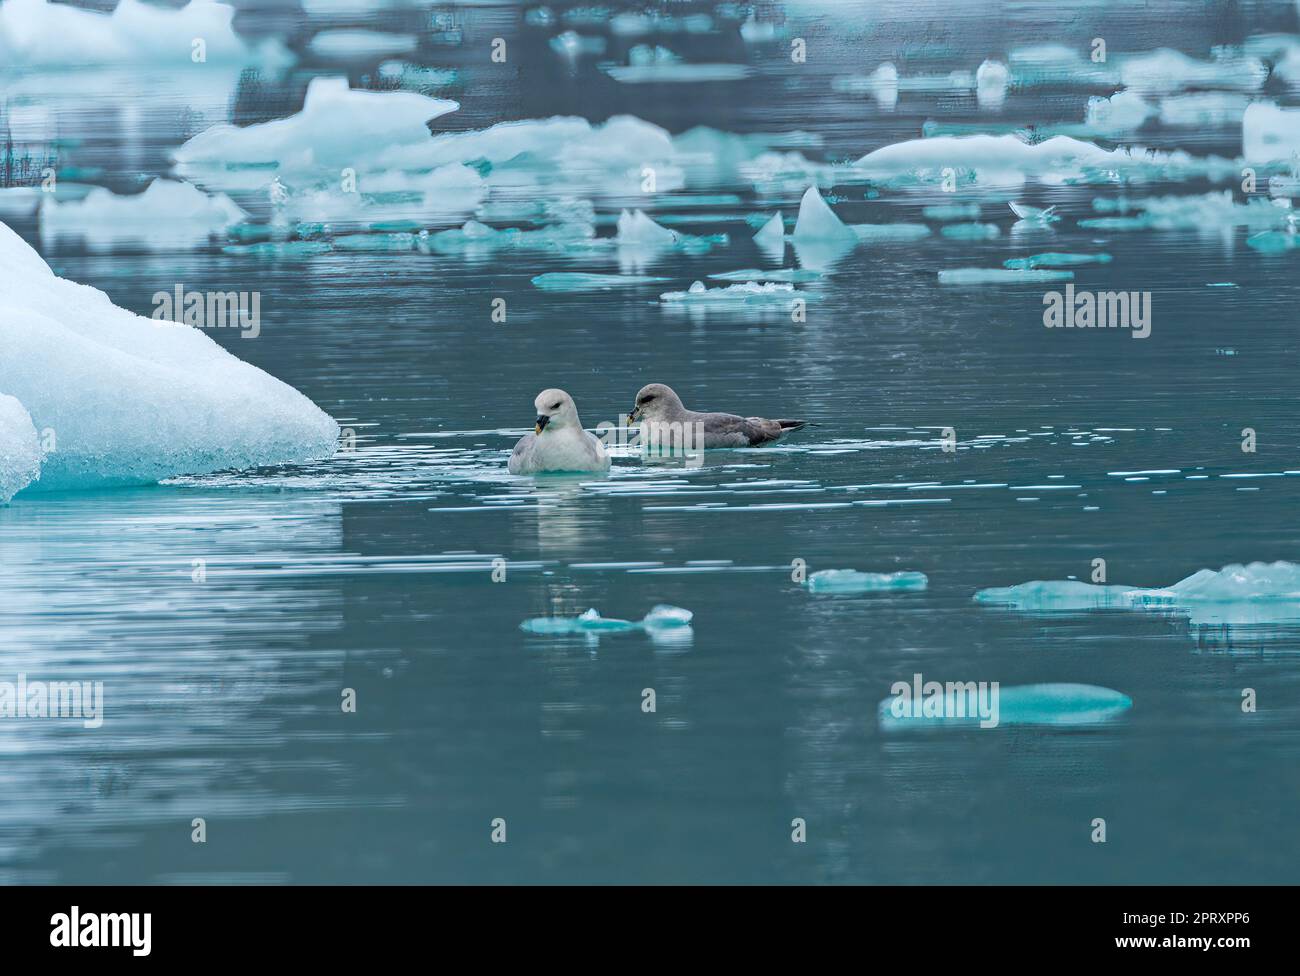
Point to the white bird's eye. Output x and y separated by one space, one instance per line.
555 406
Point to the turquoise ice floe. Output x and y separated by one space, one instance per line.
954 705
853 581
661 618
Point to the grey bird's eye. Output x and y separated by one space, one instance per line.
555 406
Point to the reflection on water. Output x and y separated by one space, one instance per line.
229 615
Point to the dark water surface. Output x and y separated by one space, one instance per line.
373 571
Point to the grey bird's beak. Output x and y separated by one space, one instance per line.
634 416
542 421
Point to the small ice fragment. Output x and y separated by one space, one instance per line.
1054 259
991 79
360 45
1034 214
1122 112
853 581
749 293
20 449
665 616
771 236
1000 276
638 229
581 281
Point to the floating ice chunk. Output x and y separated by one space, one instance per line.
132 400
1000 276
1251 593
1273 242
1049 595
551 154
479 237
885 78
1056 64
754 31
971 232
337 127
447 192
20 449
1122 112
167 214
416 77
774 274
35 33
1054 259
853 581
1009 160
991 80
951 211
571 44
817 221
1166 71
1203 109
582 281
661 617
1270 133
360 45
959 705
1195 211
666 617
648 64
1034 215
750 293
637 228
771 236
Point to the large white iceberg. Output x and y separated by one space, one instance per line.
20 450
35 33
337 128
130 400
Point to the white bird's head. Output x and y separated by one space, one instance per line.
555 411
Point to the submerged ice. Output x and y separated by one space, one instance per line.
130 400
